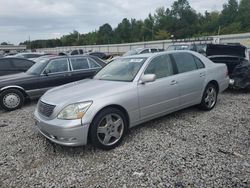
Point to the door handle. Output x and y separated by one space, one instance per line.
173 82
202 74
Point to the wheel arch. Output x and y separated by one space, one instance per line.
214 82
15 87
119 107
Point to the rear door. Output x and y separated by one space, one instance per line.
162 95
83 67
191 77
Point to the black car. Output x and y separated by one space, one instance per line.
235 56
45 74
14 65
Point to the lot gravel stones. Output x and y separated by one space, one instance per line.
189 148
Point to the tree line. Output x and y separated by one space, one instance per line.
179 21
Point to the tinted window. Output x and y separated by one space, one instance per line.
5 64
93 64
145 51
153 50
18 63
32 55
161 66
100 55
199 63
81 51
185 62
58 65
74 52
79 63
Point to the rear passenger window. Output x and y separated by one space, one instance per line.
22 63
79 63
185 62
161 66
93 64
199 63
5 64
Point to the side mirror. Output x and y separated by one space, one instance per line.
46 72
147 78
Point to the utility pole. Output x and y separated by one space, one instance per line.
29 42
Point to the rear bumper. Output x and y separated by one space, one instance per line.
63 132
224 85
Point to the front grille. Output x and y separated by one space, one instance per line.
45 109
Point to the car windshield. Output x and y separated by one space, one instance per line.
122 69
38 67
132 52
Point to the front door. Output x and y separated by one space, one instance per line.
56 73
162 95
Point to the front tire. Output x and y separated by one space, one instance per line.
11 99
108 129
209 98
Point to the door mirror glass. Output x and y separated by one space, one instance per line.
148 78
46 72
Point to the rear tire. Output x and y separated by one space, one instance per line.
108 129
11 99
209 98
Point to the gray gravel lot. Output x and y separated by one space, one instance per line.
190 148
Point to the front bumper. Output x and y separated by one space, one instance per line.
63 132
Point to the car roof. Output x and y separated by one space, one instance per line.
149 55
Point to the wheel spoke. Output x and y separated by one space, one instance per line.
117 123
102 130
116 134
210 103
109 119
106 139
207 99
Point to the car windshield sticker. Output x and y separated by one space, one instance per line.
136 60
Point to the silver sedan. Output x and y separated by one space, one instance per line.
126 93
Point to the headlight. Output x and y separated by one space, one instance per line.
74 111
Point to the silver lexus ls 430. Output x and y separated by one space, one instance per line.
127 92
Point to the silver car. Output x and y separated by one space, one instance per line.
127 92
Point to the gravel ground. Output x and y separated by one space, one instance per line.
189 148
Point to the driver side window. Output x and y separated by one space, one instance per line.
161 66
58 65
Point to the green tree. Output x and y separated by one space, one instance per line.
105 34
244 15
229 13
4 43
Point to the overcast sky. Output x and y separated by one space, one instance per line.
43 19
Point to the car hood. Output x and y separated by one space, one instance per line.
13 77
231 50
84 90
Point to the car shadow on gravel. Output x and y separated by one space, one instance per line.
153 124
28 104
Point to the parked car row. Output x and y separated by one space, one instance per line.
128 91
